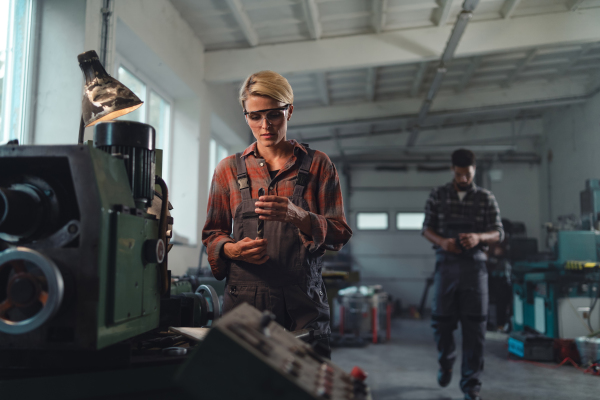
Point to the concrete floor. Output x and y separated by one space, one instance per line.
406 368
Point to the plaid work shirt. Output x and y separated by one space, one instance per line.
487 220
322 193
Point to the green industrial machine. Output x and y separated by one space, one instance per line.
84 260
556 295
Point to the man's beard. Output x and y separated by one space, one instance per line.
462 186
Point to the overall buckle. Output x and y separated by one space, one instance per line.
243 182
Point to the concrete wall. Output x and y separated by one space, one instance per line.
570 150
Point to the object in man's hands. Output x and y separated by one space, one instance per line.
260 230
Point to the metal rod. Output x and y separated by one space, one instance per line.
457 32
81 130
106 13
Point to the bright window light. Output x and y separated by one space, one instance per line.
156 110
16 28
372 221
138 87
216 154
160 118
409 221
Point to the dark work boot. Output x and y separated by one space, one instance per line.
444 377
472 395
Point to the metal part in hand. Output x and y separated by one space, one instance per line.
260 230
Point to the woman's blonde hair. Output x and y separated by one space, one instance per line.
267 83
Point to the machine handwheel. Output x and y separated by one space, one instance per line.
214 299
31 290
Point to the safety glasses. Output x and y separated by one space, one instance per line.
272 115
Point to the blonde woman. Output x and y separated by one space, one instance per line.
301 214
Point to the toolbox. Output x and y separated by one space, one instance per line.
531 346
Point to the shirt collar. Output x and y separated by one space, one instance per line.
471 188
252 148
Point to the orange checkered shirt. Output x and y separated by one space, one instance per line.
330 230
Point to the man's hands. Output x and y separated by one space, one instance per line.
469 240
278 208
248 250
450 246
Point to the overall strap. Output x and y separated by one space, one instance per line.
242 177
303 172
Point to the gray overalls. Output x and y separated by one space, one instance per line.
461 294
289 284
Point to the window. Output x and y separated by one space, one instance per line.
372 221
16 19
217 153
155 111
409 221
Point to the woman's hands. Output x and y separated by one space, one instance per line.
248 250
278 208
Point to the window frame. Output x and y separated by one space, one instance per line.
211 169
387 228
21 72
396 212
151 86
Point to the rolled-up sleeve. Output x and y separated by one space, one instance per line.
493 219
217 229
330 231
431 212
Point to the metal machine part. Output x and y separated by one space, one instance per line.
31 290
270 363
29 209
186 308
215 304
134 142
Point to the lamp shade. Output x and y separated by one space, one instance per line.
104 97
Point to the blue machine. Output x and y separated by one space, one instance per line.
556 296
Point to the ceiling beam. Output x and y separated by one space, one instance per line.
536 95
457 33
418 82
398 130
379 159
311 11
442 13
338 144
469 74
520 67
509 7
371 83
323 87
573 5
397 47
378 15
240 15
573 61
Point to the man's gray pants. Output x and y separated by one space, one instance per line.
461 294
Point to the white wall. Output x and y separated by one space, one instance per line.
572 137
60 81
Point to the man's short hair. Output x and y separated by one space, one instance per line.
463 158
